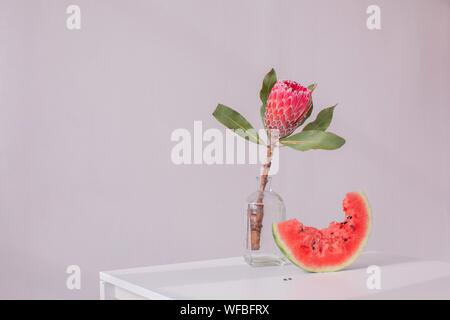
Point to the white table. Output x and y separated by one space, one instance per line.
231 278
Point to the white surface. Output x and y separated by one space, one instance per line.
231 278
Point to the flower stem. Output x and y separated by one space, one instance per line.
256 214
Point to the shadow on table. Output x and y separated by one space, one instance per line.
373 258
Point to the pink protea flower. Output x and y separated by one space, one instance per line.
287 106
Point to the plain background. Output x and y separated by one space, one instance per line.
86 117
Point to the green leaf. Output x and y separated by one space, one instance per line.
262 111
235 121
269 81
313 139
312 87
322 121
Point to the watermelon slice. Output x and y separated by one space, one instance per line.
329 249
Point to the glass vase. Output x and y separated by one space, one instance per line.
262 210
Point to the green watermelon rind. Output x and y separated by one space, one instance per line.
285 250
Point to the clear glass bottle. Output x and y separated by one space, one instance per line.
262 210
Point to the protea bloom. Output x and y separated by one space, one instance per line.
287 106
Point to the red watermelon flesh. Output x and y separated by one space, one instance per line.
329 249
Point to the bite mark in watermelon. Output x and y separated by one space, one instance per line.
329 249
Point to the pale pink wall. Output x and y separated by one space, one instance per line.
86 117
